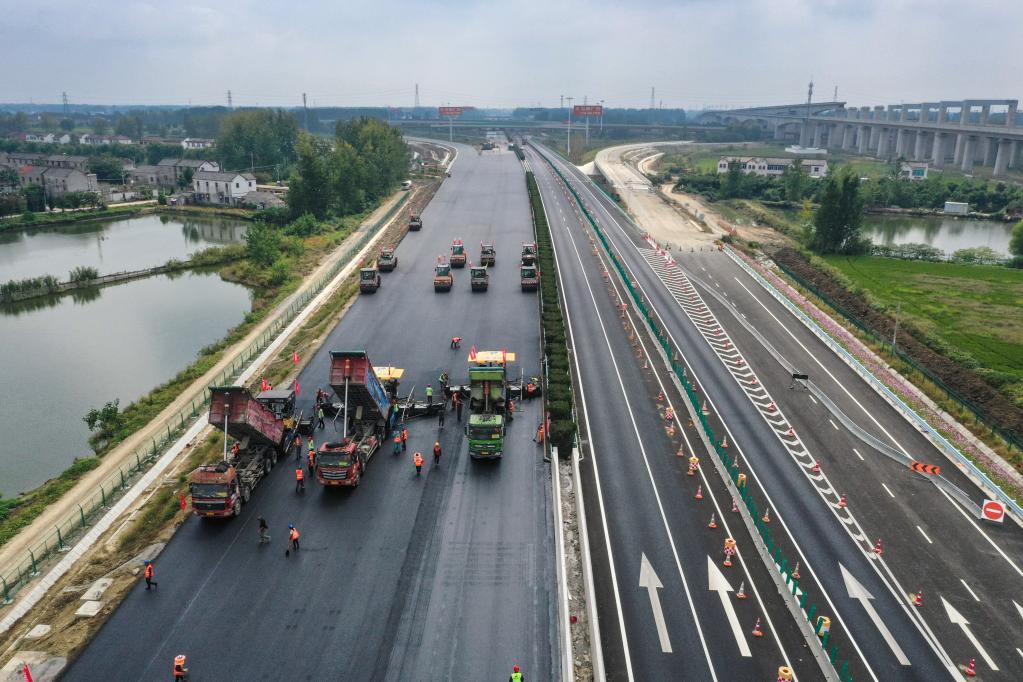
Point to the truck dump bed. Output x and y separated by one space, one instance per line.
247 418
364 388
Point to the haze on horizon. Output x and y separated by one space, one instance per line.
696 53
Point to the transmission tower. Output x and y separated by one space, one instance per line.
305 113
417 95
230 103
64 97
651 97
834 98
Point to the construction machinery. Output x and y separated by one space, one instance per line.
479 279
365 413
488 401
529 277
388 259
415 223
528 253
443 280
488 255
369 279
262 427
457 254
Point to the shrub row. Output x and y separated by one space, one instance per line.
559 376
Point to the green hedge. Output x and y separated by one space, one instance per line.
558 398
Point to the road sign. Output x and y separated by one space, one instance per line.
580 110
929 469
992 510
450 111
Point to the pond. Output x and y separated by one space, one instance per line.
64 356
111 245
943 232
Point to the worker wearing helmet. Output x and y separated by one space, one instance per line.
293 536
180 671
436 453
149 573
516 676
299 480
417 459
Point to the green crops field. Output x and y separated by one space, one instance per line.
977 309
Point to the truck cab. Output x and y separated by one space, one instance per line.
443 280
415 223
215 491
369 280
488 255
488 403
388 260
479 280
529 277
457 254
528 253
486 435
343 463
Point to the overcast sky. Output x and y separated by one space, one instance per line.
509 53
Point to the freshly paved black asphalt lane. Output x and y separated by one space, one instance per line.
446 576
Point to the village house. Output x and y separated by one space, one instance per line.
57 182
178 167
196 143
212 187
815 168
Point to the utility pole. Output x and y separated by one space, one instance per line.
64 97
895 334
834 98
568 146
230 103
562 105
305 113
602 118
652 97
417 95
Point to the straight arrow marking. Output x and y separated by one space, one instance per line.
960 620
717 582
648 579
858 592
1018 608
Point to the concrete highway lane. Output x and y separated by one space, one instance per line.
449 575
666 607
888 638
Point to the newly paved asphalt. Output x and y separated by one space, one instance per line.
804 525
446 576
639 502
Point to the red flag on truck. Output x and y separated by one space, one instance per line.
294 357
263 384
296 386
27 673
472 352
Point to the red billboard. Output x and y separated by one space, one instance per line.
450 111
581 110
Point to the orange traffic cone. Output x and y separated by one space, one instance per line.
699 492
841 502
918 599
724 442
713 523
705 411
791 433
671 430
877 548
757 632
766 518
680 453
816 467
970 670
754 381
795 571
735 507
741 594
660 396
772 408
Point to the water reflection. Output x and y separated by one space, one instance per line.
945 233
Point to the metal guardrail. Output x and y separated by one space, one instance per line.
17 575
774 551
986 483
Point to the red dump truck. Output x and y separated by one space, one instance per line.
366 408
262 427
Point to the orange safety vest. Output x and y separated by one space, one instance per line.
418 459
397 438
149 571
298 474
293 535
404 435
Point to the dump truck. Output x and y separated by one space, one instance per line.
369 280
488 397
529 277
528 253
261 435
415 223
457 254
443 280
479 279
488 255
366 409
388 259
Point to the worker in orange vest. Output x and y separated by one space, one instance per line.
397 442
312 460
539 434
404 438
298 447
299 480
180 671
417 459
293 536
148 573
436 453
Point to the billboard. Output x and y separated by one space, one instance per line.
581 110
450 111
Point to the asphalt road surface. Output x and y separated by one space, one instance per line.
648 533
884 636
450 575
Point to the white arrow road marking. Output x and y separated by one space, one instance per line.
960 620
717 582
858 592
649 580
1018 608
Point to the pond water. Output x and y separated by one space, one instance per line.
111 245
63 356
942 232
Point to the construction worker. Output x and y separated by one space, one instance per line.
235 449
293 536
319 416
436 453
516 676
180 671
404 438
264 531
148 573
440 418
511 410
312 461
397 441
443 380
298 446
456 342
539 434
299 480
417 459
429 395
456 404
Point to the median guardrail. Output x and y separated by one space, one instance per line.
18 574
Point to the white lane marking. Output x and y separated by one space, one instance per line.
968 589
646 461
648 579
860 594
886 489
858 454
960 620
927 538
833 424
1019 608
991 542
811 398
1019 651
717 582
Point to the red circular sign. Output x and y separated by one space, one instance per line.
993 511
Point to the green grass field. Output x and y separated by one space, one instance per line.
977 309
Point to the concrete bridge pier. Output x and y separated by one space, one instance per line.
875 136
1013 150
847 136
938 150
967 152
817 130
957 155
901 138
919 148
1001 158
863 140
990 147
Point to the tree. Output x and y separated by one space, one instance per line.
794 181
731 184
8 177
263 244
35 198
185 181
47 122
307 190
837 221
67 125
1016 240
108 168
260 138
100 126
131 125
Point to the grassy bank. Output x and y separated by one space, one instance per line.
60 218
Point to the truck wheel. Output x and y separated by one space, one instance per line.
246 493
273 459
237 510
266 467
